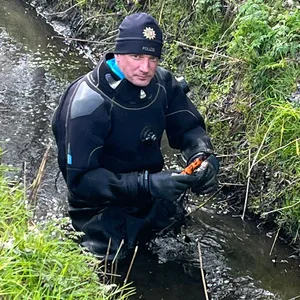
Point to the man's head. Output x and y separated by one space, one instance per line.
138 48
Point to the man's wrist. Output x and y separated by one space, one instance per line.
143 182
213 160
203 155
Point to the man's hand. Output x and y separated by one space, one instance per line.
207 180
167 185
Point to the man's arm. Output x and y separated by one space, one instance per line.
185 127
186 131
87 126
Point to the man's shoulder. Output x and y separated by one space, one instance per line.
86 98
163 73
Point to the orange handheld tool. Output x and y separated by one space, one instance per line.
189 170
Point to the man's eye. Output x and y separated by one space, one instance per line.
135 56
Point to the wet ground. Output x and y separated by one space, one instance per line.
34 70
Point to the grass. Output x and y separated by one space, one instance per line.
267 38
37 261
242 62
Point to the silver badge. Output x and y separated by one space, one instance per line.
149 33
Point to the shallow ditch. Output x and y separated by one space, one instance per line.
34 71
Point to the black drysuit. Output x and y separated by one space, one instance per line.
108 131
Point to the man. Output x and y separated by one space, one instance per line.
108 128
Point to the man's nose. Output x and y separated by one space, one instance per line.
144 66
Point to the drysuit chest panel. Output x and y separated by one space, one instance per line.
127 144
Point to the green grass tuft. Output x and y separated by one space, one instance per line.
39 262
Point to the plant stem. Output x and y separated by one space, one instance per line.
202 272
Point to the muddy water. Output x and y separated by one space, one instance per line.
34 70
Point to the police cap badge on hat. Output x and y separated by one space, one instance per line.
139 33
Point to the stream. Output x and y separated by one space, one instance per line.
34 70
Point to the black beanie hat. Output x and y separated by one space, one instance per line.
139 34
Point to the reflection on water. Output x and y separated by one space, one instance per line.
236 258
34 70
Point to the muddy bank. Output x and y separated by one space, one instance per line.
92 33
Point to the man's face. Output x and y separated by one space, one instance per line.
139 69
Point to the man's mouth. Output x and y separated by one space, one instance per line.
142 77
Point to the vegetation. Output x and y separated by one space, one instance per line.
39 262
241 59
242 62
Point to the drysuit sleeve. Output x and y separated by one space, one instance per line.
185 126
87 127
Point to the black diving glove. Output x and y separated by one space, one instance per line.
207 180
166 185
